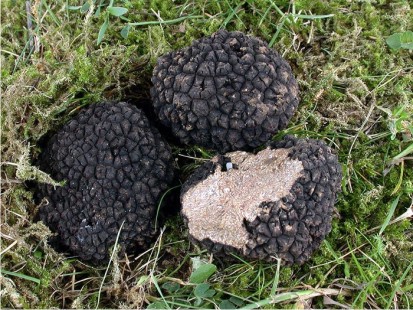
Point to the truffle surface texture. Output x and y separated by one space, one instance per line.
115 166
226 92
277 203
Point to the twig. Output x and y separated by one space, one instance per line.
10 181
29 24
114 252
8 248
301 295
191 157
371 109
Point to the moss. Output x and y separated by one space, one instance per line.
340 62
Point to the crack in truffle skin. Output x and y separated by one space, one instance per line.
115 166
290 228
216 207
228 92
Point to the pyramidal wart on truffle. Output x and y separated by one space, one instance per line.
115 166
277 203
227 92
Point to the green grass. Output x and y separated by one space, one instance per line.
356 95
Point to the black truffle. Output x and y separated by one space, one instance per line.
227 92
277 203
115 166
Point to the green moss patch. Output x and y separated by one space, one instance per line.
356 95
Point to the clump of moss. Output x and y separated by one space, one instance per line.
344 69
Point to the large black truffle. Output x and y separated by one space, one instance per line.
227 92
115 166
277 203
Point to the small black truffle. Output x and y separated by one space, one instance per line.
227 92
277 203
115 166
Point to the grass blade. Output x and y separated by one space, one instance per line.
102 30
231 15
20 275
279 28
53 16
166 22
399 282
160 203
155 283
85 7
73 7
117 11
404 153
276 278
390 215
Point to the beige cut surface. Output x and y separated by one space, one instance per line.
216 207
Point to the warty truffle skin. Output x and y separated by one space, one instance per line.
279 204
226 92
116 166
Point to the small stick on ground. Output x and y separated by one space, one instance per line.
30 24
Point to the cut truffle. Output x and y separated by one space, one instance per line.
227 92
277 203
115 166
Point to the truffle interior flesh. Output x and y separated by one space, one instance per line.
216 207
